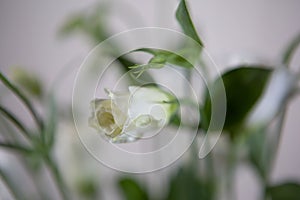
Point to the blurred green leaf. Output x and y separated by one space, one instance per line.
90 22
184 19
87 188
132 190
28 82
163 57
243 86
285 191
290 50
259 152
185 184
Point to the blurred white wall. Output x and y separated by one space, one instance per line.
28 37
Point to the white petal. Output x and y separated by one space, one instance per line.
119 106
149 101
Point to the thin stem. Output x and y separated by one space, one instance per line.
61 186
290 50
10 186
231 167
24 99
16 147
16 122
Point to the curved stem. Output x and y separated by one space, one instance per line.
24 99
16 147
16 122
57 177
10 186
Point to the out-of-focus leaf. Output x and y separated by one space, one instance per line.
243 86
187 185
184 19
163 57
290 50
90 22
132 190
28 82
87 188
259 152
285 191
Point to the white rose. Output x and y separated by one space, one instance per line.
126 116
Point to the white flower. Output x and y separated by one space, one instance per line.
126 116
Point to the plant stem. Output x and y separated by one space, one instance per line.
11 187
16 147
24 99
16 122
61 186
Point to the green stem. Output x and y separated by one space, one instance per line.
290 50
24 99
10 186
16 122
232 161
211 174
16 147
57 177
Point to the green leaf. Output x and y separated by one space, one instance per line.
185 184
260 152
184 19
285 191
132 190
290 50
91 23
87 188
243 86
164 56
28 82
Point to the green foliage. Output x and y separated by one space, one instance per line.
285 191
10 184
184 19
23 98
40 146
92 24
186 184
162 57
28 82
132 190
290 50
243 86
259 152
88 188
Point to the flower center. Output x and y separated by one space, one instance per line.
107 122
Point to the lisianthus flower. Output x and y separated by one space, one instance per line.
124 117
